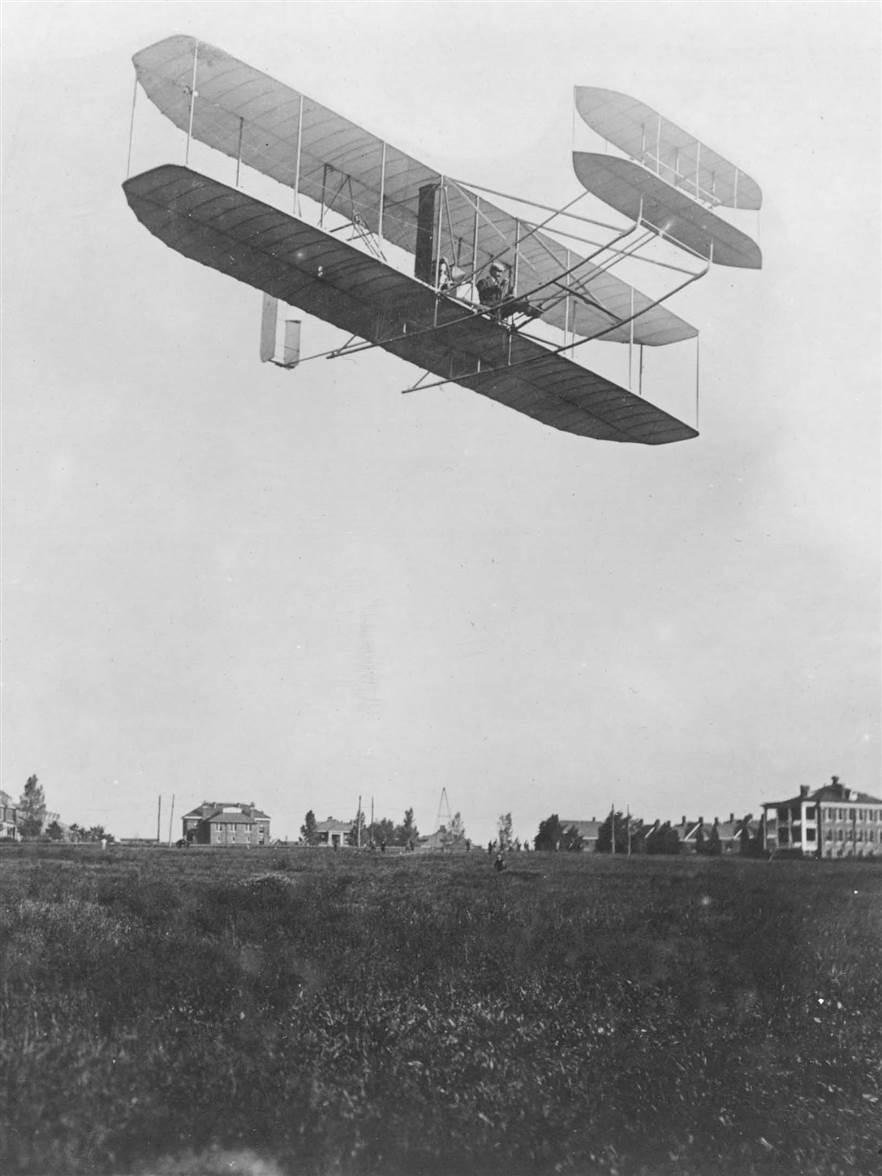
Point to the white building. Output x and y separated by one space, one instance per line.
833 821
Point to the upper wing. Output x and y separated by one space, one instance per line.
676 155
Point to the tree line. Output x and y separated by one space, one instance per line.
622 833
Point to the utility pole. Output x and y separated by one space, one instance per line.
612 829
358 824
171 817
158 819
628 820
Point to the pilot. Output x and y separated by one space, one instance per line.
493 289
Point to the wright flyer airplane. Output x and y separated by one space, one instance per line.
401 257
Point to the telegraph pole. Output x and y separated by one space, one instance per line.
158 819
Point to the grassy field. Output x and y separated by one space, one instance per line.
312 1013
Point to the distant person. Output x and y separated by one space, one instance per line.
499 864
383 845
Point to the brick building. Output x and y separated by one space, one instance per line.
222 823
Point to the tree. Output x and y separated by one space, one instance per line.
714 845
550 834
381 832
572 840
32 809
700 838
54 831
605 834
744 837
665 840
357 835
406 832
457 829
98 833
504 831
307 829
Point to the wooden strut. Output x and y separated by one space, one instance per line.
192 102
132 128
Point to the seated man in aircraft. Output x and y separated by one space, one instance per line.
494 292
493 289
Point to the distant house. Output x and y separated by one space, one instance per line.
693 833
8 818
832 821
222 823
333 834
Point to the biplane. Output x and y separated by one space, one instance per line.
412 277
672 182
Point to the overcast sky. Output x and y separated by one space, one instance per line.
225 581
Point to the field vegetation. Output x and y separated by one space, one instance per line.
346 1014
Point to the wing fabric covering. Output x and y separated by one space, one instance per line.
635 192
304 266
661 145
245 114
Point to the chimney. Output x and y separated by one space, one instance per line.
683 819
803 791
835 780
731 818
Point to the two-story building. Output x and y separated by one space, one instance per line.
832 821
224 823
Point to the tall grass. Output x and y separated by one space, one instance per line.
345 1014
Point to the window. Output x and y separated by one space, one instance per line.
871 835
809 812
782 814
841 814
828 834
862 814
840 834
783 836
811 834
